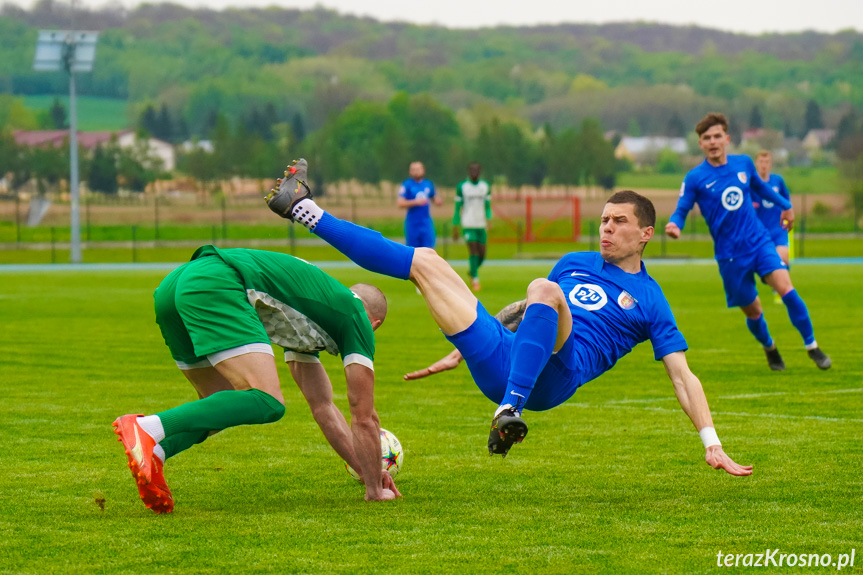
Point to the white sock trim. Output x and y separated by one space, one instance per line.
307 213
153 426
811 346
160 453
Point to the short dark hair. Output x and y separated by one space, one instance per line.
644 210
710 120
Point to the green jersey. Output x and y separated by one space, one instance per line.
303 309
472 204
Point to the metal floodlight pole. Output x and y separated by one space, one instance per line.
72 51
74 214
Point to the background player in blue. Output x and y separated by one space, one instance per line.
573 326
721 186
415 195
769 213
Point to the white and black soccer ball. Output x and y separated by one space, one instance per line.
392 455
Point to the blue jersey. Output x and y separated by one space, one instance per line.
613 311
768 212
723 195
417 216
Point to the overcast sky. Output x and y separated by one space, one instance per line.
750 16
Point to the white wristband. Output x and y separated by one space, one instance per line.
709 437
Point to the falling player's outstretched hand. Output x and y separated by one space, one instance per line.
446 363
717 459
672 230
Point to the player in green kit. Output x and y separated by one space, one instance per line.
218 314
472 212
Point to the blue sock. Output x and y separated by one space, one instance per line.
366 248
533 345
799 316
758 327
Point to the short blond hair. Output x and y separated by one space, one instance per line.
764 154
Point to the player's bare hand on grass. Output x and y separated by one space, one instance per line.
451 361
672 230
787 218
717 459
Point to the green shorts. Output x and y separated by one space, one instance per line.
202 309
475 235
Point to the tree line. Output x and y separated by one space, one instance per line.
632 77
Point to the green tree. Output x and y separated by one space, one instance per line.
102 170
565 161
668 162
756 120
813 119
58 115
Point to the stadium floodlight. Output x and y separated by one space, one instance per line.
72 51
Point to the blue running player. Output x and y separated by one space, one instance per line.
415 195
574 325
721 186
769 213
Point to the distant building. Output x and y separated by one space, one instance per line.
639 149
90 140
818 139
203 145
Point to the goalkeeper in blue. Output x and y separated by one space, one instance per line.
573 326
721 186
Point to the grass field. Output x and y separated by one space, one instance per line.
94 114
612 481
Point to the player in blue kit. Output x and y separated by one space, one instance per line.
769 213
721 186
415 195
572 326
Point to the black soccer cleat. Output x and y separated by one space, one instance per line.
289 190
774 360
821 359
507 429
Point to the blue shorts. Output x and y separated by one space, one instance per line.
422 236
779 236
738 274
486 347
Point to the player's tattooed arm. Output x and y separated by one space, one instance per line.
511 315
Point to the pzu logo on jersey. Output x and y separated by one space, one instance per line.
732 198
588 296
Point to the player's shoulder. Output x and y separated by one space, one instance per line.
697 175
575 260
741 160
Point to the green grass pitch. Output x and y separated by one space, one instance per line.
612 481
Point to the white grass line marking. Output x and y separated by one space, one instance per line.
728 413
741 396
804 393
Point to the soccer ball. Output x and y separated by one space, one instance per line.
392 455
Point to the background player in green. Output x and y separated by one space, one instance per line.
472 212
219 313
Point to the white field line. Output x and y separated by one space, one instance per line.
742 396
724 413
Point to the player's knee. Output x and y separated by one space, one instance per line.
426 260
544 291
276 410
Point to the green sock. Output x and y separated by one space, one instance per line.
474 265
182 441
222 410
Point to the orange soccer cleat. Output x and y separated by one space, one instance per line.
138 446
157 495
